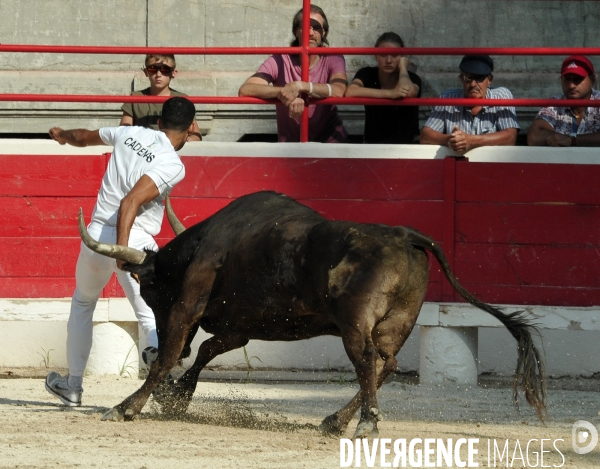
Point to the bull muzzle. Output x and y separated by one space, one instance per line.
115 251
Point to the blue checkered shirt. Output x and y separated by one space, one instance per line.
489 120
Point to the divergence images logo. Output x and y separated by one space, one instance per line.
580 436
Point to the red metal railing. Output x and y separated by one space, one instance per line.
305 52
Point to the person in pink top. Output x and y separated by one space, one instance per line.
327 77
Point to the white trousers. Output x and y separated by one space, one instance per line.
92 274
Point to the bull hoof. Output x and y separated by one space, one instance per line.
115 415
366 429
332 425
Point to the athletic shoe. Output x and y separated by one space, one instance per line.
58 386
149 355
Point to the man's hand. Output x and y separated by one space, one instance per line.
558 140
56 134
296 108
288 94
459 141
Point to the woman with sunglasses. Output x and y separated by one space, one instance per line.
280 77
160 70
390 79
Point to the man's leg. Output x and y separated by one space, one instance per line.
140 240
144 314
92 274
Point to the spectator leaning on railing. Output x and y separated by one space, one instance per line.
464 128
327 77
160 70
390 79
570 126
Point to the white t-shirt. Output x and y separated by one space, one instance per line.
137 151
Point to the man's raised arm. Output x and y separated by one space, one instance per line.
76 137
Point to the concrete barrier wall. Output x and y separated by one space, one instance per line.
29 327
33 334
181 23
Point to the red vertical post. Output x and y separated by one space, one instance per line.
305 64
449 220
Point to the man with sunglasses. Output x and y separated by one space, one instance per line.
327 77
160 70
570 126
463 128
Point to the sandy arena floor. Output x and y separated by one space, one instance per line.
273 425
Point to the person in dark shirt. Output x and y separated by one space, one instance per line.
390 79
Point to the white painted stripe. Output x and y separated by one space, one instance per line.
432 314
323 150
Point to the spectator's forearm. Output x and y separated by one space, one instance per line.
507 137
259 91
433 137
588 140
539 137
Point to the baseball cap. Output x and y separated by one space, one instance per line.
477 64
577 65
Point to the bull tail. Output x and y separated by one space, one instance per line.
530 374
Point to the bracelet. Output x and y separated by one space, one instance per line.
310 88
329 88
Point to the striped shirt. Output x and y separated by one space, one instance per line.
489 120
563 121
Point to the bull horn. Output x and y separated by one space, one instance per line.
115 251
176 225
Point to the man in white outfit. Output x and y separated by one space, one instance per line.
143 169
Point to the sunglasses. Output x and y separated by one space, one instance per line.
470 78
315 26
164 69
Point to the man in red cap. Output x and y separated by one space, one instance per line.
570 126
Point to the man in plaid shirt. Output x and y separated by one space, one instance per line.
570 126
464 128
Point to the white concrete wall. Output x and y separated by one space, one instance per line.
30 328
424 23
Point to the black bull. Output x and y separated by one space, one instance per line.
267 267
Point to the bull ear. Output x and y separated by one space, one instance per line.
115 251
176 225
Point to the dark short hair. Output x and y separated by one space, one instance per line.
297 23
160 57
390 37
177 113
